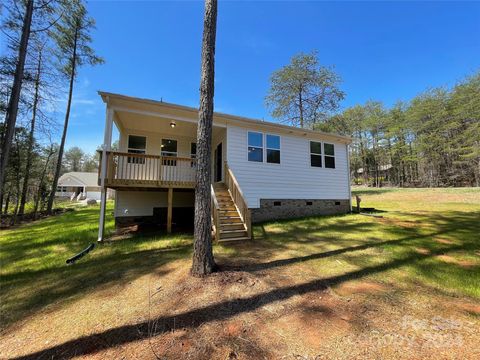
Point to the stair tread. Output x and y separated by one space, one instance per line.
231 231
234 239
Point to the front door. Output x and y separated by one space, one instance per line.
218 163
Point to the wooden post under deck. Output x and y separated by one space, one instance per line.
169 210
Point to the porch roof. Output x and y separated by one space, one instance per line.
130 110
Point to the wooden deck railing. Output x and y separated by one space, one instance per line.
238 198
130 169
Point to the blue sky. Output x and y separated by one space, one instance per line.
386 51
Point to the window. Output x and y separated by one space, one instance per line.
277 203
329 150
169 148
136 145
315 154
193 153
273 149
255 146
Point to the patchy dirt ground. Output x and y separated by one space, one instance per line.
404 286
271 313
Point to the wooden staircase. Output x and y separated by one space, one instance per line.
229 223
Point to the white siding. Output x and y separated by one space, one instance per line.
141 203
293 178
94 195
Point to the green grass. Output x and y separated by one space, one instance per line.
33 269
402 248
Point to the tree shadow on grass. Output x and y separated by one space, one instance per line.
121 264
35 275
220 311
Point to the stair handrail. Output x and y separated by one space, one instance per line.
238 199
215 209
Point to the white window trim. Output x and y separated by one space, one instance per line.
264 148
256 147
310 153
332 156
168 153
129 148
267 148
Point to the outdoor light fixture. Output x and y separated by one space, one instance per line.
173 124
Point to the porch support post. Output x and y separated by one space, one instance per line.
169 210
107 144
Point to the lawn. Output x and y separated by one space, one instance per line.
401 284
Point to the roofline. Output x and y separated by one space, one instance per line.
78 179
105 97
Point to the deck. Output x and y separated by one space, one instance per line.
130 170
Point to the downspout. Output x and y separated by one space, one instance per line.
348 178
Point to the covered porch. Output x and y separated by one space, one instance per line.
156 152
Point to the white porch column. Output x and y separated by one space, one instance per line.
107 145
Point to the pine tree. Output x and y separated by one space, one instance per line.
72 37
203 262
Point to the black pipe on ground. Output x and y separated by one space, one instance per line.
81 254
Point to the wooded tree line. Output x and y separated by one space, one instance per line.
46 43
431 141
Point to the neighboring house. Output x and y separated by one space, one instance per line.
260 170
73 184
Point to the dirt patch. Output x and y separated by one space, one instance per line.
451 260
398 222
423 251
444 241
360 287
468 307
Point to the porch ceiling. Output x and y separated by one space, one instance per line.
159 124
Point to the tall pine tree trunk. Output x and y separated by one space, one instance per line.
12 110
41 184
65 127
203 262
31 138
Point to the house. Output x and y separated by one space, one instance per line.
85 184
260 170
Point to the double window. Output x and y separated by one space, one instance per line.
136 145
256 147
316 154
